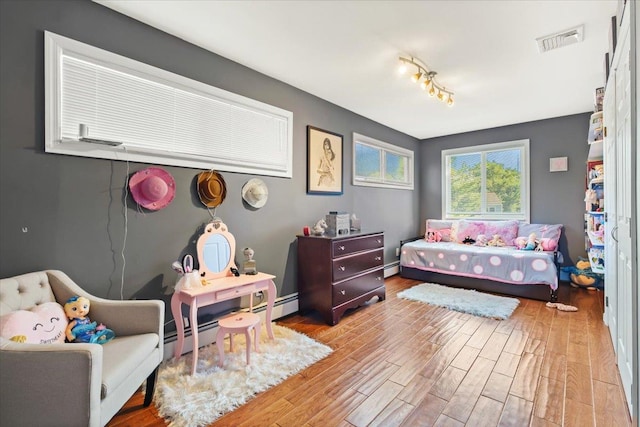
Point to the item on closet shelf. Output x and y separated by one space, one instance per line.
595 128
152 188
255 193
212 188
319 228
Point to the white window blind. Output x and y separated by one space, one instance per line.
159 117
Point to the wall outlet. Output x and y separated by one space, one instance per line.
185 319
397 251
258 294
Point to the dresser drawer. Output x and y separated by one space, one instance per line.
357 244
345 267
353 288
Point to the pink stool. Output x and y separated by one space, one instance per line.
235 324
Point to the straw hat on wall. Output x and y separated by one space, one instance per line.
211 188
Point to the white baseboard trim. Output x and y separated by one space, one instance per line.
391 269
207 332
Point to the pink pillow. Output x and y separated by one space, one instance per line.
463 228
508 230
43 324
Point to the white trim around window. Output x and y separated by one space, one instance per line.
485 202
103 105
380 164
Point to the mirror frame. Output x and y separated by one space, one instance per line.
216 227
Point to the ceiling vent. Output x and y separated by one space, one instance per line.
561 39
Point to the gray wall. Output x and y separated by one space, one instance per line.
67 213
556 197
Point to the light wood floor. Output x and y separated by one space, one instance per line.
404 363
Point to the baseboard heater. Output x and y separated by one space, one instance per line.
391 269
207 331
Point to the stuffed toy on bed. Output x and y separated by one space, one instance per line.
433 236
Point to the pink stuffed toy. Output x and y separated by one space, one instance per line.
433 236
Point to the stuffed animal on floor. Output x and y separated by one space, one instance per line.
468 240
80 327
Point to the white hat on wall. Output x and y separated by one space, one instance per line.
255 193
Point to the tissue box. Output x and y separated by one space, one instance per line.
338 224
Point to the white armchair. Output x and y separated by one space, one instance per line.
76 384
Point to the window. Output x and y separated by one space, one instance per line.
156 116
379 164
487 181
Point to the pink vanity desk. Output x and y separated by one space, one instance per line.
216 290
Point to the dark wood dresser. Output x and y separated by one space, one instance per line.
338 273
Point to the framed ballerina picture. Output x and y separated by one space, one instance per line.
324 162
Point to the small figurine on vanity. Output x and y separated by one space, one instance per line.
249 264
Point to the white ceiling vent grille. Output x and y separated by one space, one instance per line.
561 39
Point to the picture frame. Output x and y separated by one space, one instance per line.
324 167
558 164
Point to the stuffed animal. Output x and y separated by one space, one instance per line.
433 236
533 244
468 240
520 242
481 240
319 228
497 240
81 328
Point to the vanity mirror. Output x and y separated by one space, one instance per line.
216 249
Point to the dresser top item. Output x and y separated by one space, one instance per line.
348 236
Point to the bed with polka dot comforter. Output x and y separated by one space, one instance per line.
505 264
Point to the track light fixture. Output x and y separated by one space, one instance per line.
429 79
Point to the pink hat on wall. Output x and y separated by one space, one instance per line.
152 188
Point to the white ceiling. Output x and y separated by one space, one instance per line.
346 52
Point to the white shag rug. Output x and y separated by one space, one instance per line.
198 400
464 300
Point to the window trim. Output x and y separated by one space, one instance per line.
227 159
385 147
525 164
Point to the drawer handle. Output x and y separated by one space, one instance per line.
378 258
379 278
343 292
342 268
379 241
341 248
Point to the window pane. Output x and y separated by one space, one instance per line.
395 167
465 184
367 162
504 181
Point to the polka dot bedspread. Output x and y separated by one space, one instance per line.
502 264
